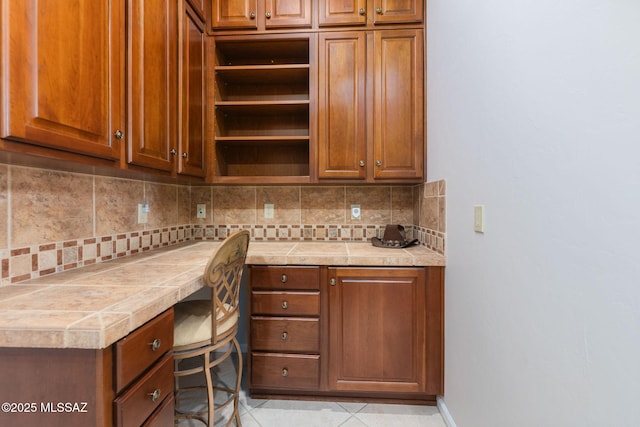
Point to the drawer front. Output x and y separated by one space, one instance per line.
146 394
281 277
163 416
285 303
285 334
285 371
136 352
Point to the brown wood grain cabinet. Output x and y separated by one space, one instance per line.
370 108
129 383
62 75
260 14
193 93
363 333
363 12
152 74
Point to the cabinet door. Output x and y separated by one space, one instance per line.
398 109
377 321
398 11
62 74
234 14
193 95
287 13
342 12
153 83
341 110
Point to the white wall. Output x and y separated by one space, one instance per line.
534 111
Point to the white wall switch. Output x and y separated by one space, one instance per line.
478 218
269 210
143 210
355 212
201 210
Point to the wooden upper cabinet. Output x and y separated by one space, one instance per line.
342 12
398 109
397 11
342 152
260 14
153 83
62 74
199 6
287 13
234 14
191 160
363 12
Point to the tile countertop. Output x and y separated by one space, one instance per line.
94 306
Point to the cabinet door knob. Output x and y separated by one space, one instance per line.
252 15
173 152
285 372
268 15
155 345
155 395
378 162
361 163
284 305
379 10
185 155
284 278
332 281
118 134
362 11
284 336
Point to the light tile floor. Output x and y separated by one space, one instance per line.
299 413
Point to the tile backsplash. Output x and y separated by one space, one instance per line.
52 221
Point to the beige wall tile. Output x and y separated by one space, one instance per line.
402 205
234 205
49 206
323 205
117 205
163 205
184 205
286 201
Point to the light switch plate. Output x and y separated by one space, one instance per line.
355 212
269 210
201 210
143 209
478 218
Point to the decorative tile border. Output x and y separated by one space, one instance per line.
40 260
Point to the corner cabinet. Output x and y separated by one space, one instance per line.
62 75
371 112
379 333
263 109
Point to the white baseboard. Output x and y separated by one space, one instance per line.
444 411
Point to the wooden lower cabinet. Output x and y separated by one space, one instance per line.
127 384
378 334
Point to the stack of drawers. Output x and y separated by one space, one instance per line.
285 328
143 379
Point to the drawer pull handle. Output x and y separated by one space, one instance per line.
284 278
284 305
155 345
155 395
285 372
284 336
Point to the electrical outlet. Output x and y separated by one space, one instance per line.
355 212
269 210
201 210
143 210
478 218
